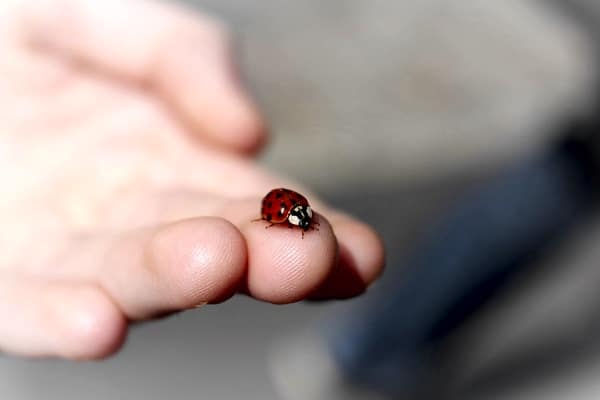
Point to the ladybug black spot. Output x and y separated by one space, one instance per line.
279 195
269 204
269 217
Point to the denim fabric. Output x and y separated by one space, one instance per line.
482 241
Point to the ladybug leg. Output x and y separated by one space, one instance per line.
270 225
256 220
313 228
314 225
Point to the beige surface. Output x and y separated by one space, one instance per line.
388 91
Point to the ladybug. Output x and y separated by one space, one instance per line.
287 206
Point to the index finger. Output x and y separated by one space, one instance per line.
339 260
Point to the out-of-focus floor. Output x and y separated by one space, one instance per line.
396 103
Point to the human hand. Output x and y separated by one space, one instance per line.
128 187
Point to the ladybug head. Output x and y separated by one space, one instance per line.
300 216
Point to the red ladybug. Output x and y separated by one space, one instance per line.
284 205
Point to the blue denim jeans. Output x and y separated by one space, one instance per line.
490 234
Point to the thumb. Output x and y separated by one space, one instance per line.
181 56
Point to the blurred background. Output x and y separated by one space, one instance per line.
390 111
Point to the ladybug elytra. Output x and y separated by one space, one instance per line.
287 206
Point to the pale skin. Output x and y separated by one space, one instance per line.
129 185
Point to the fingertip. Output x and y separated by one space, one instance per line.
200 260
199 78
223 107
92 326
364 247
245 132
59 319
283 266
367 248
